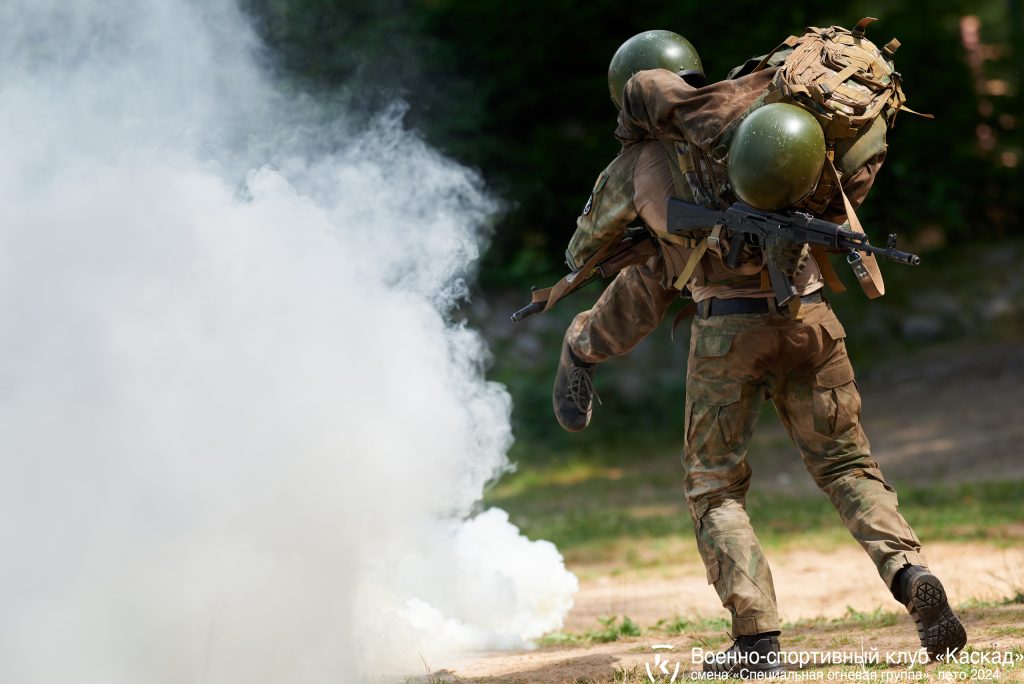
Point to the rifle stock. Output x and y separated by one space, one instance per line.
685 217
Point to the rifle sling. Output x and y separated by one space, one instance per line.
687 311
549 295
828 272
870 278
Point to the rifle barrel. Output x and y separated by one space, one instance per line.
891 254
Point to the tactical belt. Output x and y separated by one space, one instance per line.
747 305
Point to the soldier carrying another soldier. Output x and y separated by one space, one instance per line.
800 129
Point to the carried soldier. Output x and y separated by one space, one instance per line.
793 138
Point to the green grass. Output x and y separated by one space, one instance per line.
611 629
614 628
681 625
588 509
853 619
1017 631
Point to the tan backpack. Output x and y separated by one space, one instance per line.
851 87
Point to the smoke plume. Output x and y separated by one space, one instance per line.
241 437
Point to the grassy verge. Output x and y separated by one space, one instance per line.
602 513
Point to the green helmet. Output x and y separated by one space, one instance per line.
776 156
653 50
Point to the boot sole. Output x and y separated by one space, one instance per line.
938 626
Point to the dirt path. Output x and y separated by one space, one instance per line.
812 588
626 660
808 583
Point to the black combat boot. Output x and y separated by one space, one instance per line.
573 395
750 657
937 625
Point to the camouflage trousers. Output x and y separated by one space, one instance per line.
736 363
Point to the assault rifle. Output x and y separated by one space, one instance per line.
746 225
635 246
764 228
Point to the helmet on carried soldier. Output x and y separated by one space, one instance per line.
653 50
776 156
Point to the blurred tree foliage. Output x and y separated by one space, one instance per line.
518 91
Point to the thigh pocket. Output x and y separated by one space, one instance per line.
836 400
714 420
708 344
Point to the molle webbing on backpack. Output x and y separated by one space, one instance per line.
839 76
680 253
852 89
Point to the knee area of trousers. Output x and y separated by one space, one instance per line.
846 472
862 488
720 514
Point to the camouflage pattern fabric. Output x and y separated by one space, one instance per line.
736 363
628 310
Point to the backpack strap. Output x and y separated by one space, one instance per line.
862 25
788 43
678 164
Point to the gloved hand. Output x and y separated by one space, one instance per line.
789 257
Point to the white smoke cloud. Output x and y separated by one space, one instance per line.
240 437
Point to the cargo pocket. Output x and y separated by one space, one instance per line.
833 328
712 344
713 420
836 400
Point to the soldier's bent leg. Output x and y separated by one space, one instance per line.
723 401
819 404
628 310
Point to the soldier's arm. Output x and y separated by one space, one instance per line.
609 209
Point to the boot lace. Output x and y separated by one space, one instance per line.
581 388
